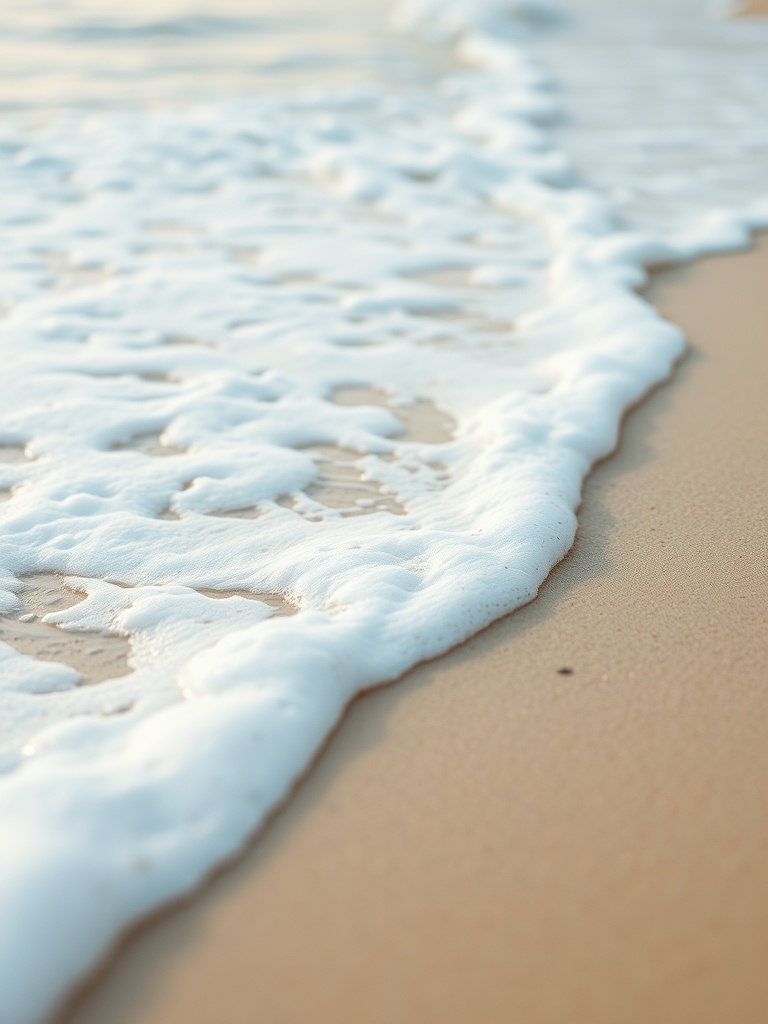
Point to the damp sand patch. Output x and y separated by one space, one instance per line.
422 421
278 604
345 483
249 512
11 454
96 656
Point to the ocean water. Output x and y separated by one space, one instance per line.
312 323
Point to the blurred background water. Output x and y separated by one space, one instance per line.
96 54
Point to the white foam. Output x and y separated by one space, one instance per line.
297 243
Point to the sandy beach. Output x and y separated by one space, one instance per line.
314 318
564 820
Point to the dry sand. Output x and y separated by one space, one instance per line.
492 840
748 8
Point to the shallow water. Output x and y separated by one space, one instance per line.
305 315
95 54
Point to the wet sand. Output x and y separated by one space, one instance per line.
564 821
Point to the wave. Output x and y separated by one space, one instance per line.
299 391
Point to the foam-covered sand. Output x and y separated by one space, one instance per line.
220 323
495 840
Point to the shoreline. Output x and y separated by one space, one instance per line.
493 837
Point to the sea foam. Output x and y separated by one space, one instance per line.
219 324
